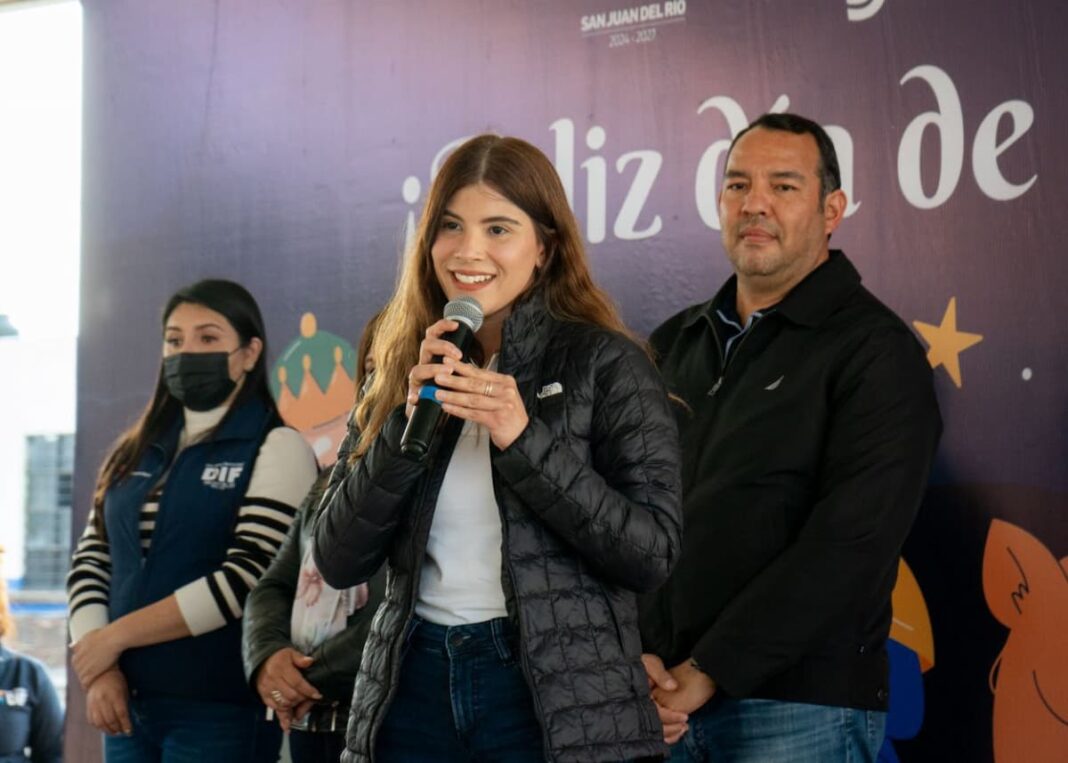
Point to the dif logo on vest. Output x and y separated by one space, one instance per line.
222 476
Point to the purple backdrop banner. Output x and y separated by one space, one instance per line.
290 145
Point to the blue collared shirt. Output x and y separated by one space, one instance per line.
734 331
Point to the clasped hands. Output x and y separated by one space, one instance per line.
94 658
676 693
283 688
465 390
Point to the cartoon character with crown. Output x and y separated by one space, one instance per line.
313 383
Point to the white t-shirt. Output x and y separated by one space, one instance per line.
461 577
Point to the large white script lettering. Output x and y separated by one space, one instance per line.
709 167
596 170
948 121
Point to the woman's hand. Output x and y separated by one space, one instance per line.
485 397
282 686
675 722
426 370
94 653
107 703
286 718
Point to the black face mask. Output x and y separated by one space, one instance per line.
199 380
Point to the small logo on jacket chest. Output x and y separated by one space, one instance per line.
549 390
222 476
16 697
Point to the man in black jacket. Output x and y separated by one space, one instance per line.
809 434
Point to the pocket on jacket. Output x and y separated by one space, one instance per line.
623 606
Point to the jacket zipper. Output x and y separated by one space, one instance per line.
161 483
398 647
524 662
724 364
506 562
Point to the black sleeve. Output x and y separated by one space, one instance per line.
363 507
338 658
879 448
622 511
269 607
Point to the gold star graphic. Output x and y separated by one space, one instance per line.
945 343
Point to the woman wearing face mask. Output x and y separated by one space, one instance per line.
550 497
190 508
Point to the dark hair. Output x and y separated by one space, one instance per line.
830 175
363 350
233 302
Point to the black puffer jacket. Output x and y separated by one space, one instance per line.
589 498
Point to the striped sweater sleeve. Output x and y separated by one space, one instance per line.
89 583
284 472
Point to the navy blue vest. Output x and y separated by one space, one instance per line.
197 514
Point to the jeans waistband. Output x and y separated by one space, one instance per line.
498 635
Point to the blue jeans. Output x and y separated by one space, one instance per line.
768 731
187 731
462 697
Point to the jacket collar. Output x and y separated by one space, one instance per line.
812 301
247 422
526 334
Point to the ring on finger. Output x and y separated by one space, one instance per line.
278 698
488 391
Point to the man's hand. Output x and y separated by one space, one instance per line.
695 688
107 703
660 679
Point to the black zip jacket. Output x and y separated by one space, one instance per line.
589 499
804 462
269 608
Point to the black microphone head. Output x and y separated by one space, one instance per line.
466 310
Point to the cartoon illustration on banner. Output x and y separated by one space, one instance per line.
312 382
1026 588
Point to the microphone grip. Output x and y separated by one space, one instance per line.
427 416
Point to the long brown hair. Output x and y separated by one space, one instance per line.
525 176
237 305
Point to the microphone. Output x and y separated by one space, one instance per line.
415 442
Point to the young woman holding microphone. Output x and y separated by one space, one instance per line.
548 499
